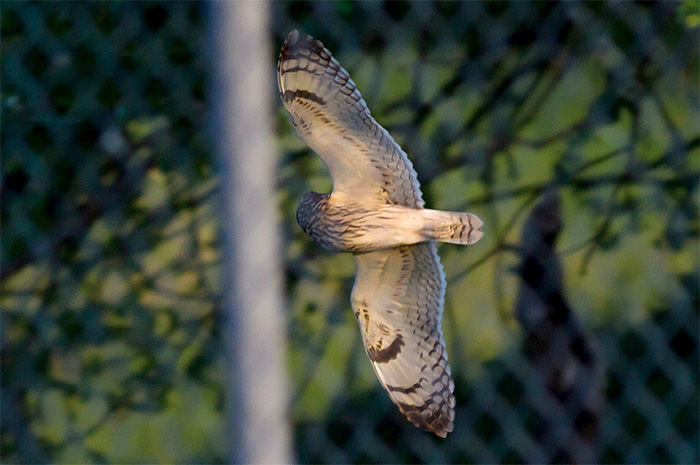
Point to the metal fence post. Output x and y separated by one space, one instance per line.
240 95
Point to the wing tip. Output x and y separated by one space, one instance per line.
442 432
298 44
438 422
292 38
440 427
295 39
291 41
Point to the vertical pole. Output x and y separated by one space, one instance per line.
241 98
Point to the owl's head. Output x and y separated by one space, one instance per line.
309 210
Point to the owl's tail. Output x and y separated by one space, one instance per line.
452 227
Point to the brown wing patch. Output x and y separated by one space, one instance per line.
408 390
290 95
400 291
388 353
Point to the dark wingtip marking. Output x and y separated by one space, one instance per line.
291 47
292 41
438 422
290 95
387 354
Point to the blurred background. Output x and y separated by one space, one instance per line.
571 129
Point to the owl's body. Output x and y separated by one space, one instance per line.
338 222
376 212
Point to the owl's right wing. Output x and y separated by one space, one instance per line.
398 299
330 115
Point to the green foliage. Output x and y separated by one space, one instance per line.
110 269
111 278
494 103
689 12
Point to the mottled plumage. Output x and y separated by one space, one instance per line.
376 212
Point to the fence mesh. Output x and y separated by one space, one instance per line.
571 129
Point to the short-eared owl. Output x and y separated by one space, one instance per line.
376 212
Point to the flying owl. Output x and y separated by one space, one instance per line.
376 212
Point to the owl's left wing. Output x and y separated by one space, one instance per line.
398 299
331 116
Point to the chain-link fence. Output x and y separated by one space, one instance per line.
570 128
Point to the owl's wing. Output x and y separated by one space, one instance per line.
398 299
331 116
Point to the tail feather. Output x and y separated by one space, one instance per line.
453 227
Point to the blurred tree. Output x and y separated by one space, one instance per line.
556 344
110 278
